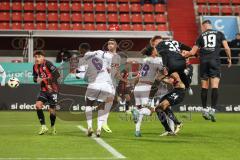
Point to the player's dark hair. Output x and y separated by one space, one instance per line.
156 37
85 46
238 34
147 51
113 40
39 52
206 22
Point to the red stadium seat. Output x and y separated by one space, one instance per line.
160 8
213 1
111 1
113 27
77 17
136 8
64 17
41 26
237 10
162 27
101 27
125 27
150 27
4 6
203 10
28 6
124 7
160 18
41 6
4 26
88 17
112 7
64 7
65 26
235 2
16 16
28 26
52 17
52 6
41 16
28 16
137 27
99 1
88 7
124 18
201 2
135 1
17 26
148 8
123 1
16 6
100 18
226 10
137 18
148 18
113 18
87 1
100 7
89 26
5 16
76 6
77 26
52 26
225 2
214 10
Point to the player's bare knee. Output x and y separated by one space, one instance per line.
39 105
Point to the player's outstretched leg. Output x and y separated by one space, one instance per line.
107 109
41 118
163 119
52 120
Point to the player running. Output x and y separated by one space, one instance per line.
46 74
209 43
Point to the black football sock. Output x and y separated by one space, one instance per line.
163 119
127 105
204 94
171 115
41 116
214 97
52 119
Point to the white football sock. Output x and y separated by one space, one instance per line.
171 124
88 113
138 124
107 109
145 111
100 119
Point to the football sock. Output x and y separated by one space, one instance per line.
145 111
52 119
138 124
88 113
100 119
204 94
214 97
127 105
163 119
41 116
171 115
107 109
171 124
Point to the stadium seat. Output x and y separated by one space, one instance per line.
123 1
88 1
136 8
64 7
28 16
112 7
4 26
160 8
135 1
88 7
148 8
52 17
124 18
226 10
65 26
124 7
16 16
88 17
52 26
213 2
4 6
225 2
41 26
5 16
101 27
28 6
16 25
76 7
235 2
52 6
28 26
77 17
41 6
114 27
160 18
136 18
148 18
237 10
100 7
137 27
162 27
202 10
77 26
16 6
99 1
41 16
201 2
214 10
111 1
64 17
89 26
100 18
125 27
150 27
113 18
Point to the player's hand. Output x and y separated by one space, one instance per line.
229 62
185 53
39 80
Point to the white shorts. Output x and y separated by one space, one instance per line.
141 93
99 91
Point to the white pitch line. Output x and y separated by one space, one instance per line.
105 145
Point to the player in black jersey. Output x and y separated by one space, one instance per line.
209 45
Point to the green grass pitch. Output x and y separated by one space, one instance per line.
198 140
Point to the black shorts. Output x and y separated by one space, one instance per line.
176 64
210 68
174 97
47 97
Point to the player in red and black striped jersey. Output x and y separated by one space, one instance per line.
46 74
